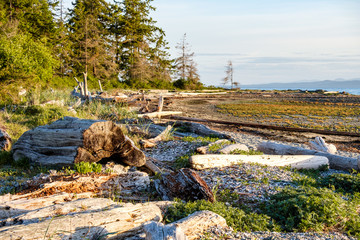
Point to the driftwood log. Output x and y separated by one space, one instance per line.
114 220
72 140
206 149
191 226
200 162
199 129
158 114
152 142
185 184
335 161
319 144
5 140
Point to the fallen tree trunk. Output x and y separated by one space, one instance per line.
199 129
158 114
191 226
255 125
13 205
335 161
149 143
37 215
72 140
115 220
200 162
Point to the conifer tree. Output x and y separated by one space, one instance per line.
91 49
142 49
186 67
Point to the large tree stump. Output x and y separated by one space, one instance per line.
72 140
185 184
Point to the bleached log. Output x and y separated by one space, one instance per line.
200 162
335 161
37 215
148 143
205 149
319 144
234 147
186 228
13 205
114 221
199 222
71 140
200 129
159 114
161 104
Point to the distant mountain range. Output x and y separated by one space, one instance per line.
326 84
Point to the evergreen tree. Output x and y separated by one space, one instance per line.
186 67
142 49
91 50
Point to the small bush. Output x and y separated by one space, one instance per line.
313 209
86 167
343 182
236 218
5 158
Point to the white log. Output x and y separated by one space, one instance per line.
335 161
158 114
13 205
234 147
116 221
319 144
38 215
200 162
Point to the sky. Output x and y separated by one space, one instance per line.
266 40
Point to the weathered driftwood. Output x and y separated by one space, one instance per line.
71 140
335 161
152 167
37 215
13 205
319 144
157 231
5 140
234 147
200 129
186 228
158 114
205 149
221 160
185 184
149 143
114 220
161 104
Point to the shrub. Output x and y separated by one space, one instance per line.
343 182
236 218
86 167
313 209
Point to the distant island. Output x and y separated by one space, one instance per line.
326 84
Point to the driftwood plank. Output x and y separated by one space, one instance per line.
200 162
335 161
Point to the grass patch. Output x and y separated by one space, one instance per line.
243 152
87 167
235 217
342 182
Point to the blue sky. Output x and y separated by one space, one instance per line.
267 40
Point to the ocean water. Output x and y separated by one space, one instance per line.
354 91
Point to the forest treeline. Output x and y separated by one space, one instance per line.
118 43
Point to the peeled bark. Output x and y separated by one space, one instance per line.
335 161
200 162
72 140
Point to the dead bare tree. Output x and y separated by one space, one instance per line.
230 75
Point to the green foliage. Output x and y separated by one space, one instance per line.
243 152
236 218
342 182
313 209
183 161
23 58
203 140
5 158
86 167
